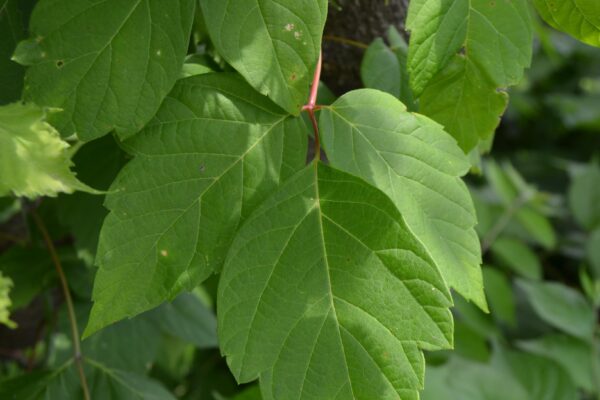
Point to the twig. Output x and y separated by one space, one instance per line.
311 107
343 40
77 355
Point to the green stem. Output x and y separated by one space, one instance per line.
343 40
77 355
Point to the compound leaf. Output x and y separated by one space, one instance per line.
214 151
273 44
409 157
107 64
578 18
34 160
327 294
461 52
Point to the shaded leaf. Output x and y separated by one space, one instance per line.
106 64
573 354
584 197
517 256
500 296
189 319
562 307
213 152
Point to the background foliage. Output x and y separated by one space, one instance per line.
537 202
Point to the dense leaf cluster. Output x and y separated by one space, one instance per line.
191 124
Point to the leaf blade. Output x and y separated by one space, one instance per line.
214 151
410 158
304 322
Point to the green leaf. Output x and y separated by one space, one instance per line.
214 151
31 271
409 157
500 296
5 304
106 64
562 307
542 378
12 30
572 354
384 69
327 294
517 256
273 44
63 383
578 18
584 197
593 252
189 319
464 380
96 163
34 161
461 52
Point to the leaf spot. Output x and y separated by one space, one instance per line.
290 27
164 253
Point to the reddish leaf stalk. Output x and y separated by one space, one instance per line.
311 107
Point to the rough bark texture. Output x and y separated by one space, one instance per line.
361 21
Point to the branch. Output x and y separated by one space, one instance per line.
71 310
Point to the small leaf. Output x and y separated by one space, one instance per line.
500 296
593 252
5 304
273 44
584 197
384 69
34 161
517 256
327 294
214 151
106 64
542 378
12 30
562 307
578 18
189 319
464 380
571 353
462 54
371 135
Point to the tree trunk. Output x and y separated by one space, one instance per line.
360 21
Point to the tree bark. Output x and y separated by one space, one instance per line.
361 21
